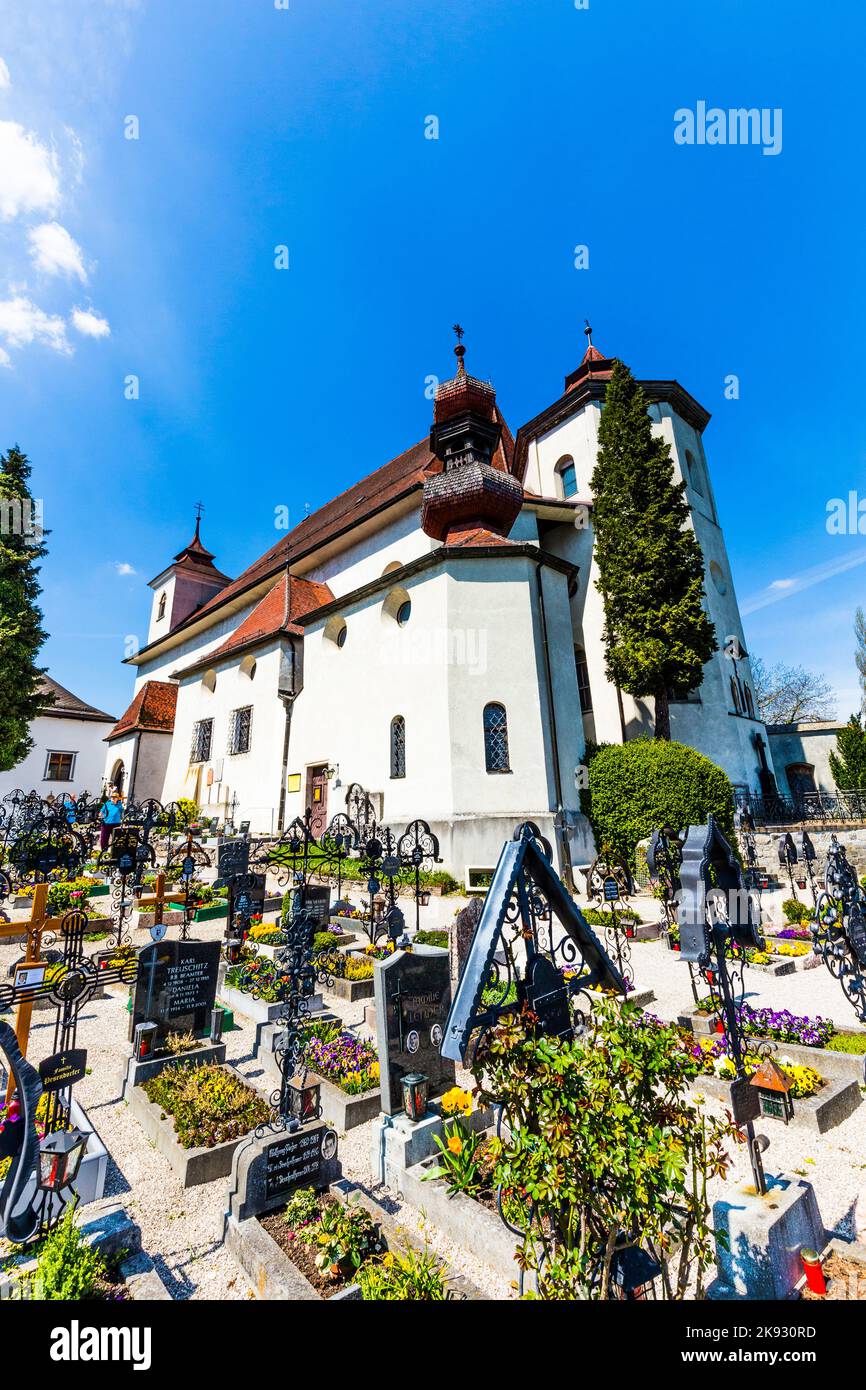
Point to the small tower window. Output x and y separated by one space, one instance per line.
496 738
735 695
567 475
398 746
160 611
693 470
750 704
583 689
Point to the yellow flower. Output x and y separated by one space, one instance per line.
388 1260
455 1144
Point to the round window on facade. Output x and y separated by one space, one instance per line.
335 630
717 575
403 612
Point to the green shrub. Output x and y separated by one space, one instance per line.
795 911
67 1268
595 917
636 787
324 941
431 938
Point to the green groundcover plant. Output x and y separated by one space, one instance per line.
609 1148
209 1105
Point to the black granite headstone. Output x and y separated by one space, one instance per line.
413 997
297 1158
316 899
233 858
176 986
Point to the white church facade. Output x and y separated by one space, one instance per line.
434 634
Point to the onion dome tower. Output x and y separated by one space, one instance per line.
474 491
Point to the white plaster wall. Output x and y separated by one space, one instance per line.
52 734
161 666
255 776
711 725
123 750
798 743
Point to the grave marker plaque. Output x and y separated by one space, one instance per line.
316 899
267 1169
176 986
297 1158
413 997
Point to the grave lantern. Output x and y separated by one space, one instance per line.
304 1101
144 1040
424 897
633 1271
415 1089
60 1158
773 1086
216 1024
233 949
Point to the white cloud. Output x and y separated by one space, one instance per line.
816 574
90 324
23 322
5 79
55 251
124 568
28 173
5 359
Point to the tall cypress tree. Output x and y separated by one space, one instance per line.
651 569
21 631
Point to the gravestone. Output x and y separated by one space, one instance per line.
413 997
316 899
233 858
462 932
176 987
267 1170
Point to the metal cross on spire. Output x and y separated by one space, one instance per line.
459 351
199 510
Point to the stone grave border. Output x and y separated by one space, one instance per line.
192 1167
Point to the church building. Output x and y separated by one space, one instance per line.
434 634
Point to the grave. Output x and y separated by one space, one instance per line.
266 1170
413 998
176 987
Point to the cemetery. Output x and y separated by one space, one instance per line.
332 1092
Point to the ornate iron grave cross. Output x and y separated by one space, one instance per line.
609 883
839 927
517 961
718 922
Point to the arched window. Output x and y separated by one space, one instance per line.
160 612
496 738
567 476
398 746
750 704
735 695
583 689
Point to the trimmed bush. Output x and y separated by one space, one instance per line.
636 787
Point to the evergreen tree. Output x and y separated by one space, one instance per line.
848 763
651 569
21 631
860 653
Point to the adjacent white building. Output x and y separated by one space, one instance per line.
434 633
68 753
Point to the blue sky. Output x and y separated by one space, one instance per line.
305 127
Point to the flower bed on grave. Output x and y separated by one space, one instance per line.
326 1240
259 976
714 1058
209 1105
343 966
341 1058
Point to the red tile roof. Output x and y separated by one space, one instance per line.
476 536
289 599
399 478
152 711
